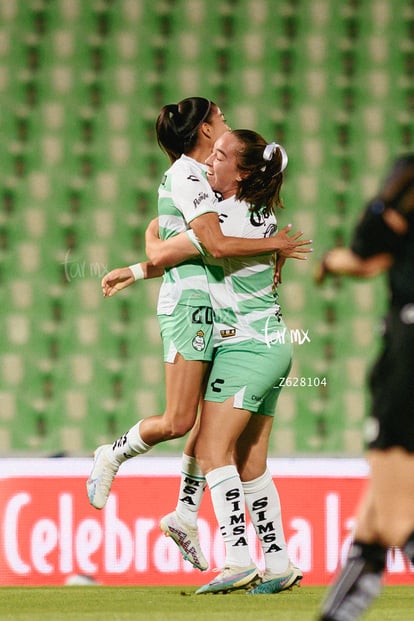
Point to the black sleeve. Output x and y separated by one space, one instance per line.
372 235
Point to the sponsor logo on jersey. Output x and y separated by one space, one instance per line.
199 199
215 386
257 398
270 230
225 334
257 218
193 178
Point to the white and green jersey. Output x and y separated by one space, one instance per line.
183 195
244 304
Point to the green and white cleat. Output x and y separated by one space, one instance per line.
232 579
275 583
186 538
100 480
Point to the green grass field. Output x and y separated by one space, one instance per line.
176 604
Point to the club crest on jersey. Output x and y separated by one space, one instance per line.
199 343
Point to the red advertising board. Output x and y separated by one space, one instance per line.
49 533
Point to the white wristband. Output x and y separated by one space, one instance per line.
137 271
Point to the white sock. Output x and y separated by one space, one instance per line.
192 486
263 503
129 445
228 501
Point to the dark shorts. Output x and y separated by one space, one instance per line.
391 422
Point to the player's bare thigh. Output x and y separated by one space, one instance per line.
184 385
387 513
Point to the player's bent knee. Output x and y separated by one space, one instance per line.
173 429
210 459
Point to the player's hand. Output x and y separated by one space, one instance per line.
116 280
333 262
322 271
277 275
291 246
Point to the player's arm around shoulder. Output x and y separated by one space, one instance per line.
169 252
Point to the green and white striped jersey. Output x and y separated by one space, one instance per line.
183 195
241 288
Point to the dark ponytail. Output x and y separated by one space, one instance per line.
177 125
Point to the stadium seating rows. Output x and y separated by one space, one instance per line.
81 84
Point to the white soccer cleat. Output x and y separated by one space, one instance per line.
100 480
186 539
275 583
232 579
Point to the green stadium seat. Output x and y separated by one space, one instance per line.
81 84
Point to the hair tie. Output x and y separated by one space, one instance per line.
172 110
270 150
